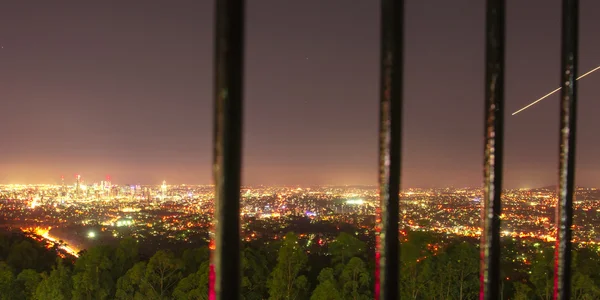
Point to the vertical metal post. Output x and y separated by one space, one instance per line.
390 138
229 49
493 149
568 116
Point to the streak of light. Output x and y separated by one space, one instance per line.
556 90
44 233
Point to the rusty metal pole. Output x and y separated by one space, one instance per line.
568 118
225 240
390 144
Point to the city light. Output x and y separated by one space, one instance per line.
184 214
355 202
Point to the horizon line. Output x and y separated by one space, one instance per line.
308 185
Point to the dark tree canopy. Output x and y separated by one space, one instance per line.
431 268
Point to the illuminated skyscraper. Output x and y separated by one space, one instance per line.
63 188
77 184
163 190
108 185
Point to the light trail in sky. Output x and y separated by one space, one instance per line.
556 90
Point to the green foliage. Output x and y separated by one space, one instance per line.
522 291
415 268
345 247
131 285
194 286
286 281
56 286
355 280
327 288
125 256
429 270
20 253
162 274
465 272
448 273
582 283
26 284
193 259
23 255
255 274
93 277
153 280
542 271
7 281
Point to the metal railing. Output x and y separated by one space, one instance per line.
566 175
493 150
229 41
227 160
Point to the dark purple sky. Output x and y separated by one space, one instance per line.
125 88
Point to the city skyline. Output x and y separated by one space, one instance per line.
73 181
93 90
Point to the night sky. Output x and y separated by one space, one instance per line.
125 88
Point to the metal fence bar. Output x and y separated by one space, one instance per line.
493 149
568 121
390 138
229 42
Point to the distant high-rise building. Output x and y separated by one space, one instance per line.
108 187
163 189
63 188
77 184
